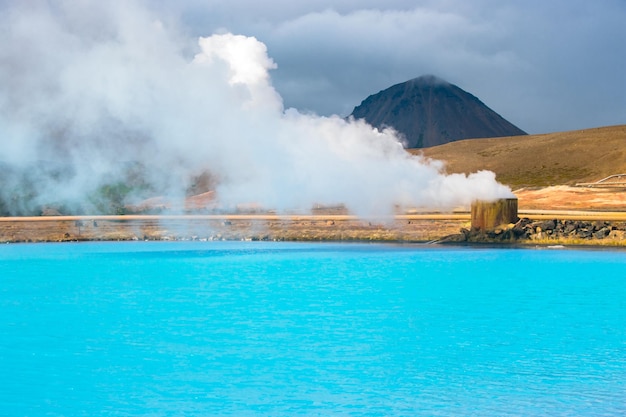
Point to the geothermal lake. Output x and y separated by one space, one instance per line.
283 329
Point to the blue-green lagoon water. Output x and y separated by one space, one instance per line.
249 328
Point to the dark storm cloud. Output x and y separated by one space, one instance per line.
545 66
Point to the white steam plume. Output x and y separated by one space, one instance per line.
91 86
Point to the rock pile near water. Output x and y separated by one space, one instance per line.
559 229
544 231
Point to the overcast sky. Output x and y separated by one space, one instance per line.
543 65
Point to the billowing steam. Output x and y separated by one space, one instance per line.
102 103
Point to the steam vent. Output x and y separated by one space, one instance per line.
488 215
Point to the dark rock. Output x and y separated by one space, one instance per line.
522 228
507 235
545 225
599 225
520 233
602 233
560 227
569 227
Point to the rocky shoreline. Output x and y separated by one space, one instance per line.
315 228
554 231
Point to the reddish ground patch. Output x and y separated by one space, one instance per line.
572 198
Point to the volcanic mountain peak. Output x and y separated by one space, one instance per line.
427 80
430 111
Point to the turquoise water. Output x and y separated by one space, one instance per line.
250 328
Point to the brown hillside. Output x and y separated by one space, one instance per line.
563 158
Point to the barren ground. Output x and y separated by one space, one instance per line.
564 197
562 158
323 225
543 169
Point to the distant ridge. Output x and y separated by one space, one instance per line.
430 111
559 158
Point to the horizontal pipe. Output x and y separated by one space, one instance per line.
461 216
218 217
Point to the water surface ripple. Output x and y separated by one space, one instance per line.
249 328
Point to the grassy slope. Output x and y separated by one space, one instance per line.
563 158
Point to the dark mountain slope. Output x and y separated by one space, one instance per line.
429 111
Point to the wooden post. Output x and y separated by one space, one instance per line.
487 215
